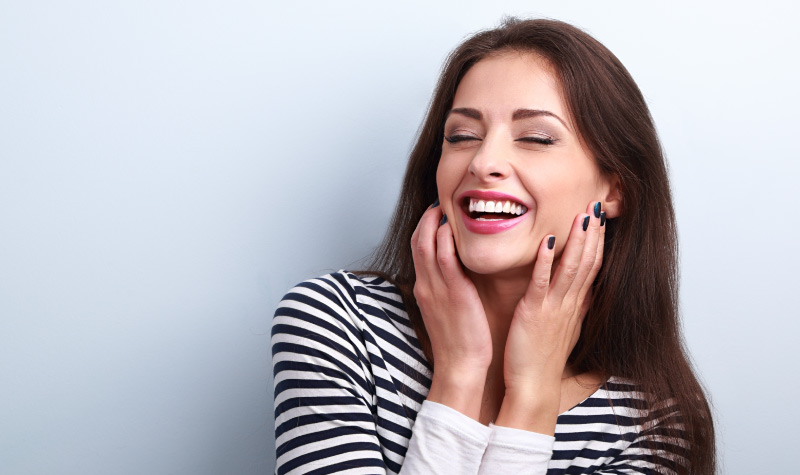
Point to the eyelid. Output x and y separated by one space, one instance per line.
538 140
456 138
537 135
460 133
461 128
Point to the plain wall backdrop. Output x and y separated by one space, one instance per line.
168 169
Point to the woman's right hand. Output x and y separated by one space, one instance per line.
453 316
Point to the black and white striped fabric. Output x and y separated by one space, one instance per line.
350 378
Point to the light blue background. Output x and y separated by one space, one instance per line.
168 169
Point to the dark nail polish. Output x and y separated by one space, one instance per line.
551 242
597 207
435 203
444 220
603 218
585 223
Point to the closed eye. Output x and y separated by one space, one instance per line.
538 140
460 138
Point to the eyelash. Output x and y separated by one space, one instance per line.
459 138
454 139
538 140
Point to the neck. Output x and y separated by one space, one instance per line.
500 294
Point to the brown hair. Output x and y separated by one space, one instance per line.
632 329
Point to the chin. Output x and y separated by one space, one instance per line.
488 263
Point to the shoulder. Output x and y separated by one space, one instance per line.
624 406
620 426
341 294
649 406
630 399
652 421
320 327
342 306
347 327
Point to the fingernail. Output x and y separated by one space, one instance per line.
597 209
444 220
435 203
551 242
603 218
585 223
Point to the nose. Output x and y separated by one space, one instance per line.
490 162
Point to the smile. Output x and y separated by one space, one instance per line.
490 212
481 210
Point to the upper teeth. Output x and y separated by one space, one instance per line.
482 206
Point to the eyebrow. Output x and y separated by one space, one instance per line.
518 114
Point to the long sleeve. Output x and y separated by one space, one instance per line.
338 393
448 442
350 387
517 451
324 421
445 442
333 412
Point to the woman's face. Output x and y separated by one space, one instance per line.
510 140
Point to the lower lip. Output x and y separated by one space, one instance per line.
490 227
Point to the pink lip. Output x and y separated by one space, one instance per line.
489 227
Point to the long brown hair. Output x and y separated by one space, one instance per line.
632 329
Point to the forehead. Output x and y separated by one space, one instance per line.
501 84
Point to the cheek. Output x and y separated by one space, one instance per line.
560 203
557 203
447 181
567 192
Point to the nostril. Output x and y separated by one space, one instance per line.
495 174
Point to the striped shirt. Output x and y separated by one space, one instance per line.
350 378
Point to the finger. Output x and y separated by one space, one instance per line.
585 276
576 331
418 269
598 262
570 259
601 242
424 247
540 282
415 234
446 258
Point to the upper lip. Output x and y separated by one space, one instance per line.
489 195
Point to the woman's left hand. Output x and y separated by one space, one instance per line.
546 326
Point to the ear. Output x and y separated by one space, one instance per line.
612 202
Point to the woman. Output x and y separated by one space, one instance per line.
538 294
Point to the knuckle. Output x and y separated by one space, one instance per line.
420 292
541 282
415 238
571 271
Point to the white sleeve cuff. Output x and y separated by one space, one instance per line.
455 421
517 451
445 441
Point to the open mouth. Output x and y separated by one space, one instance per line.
489 210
